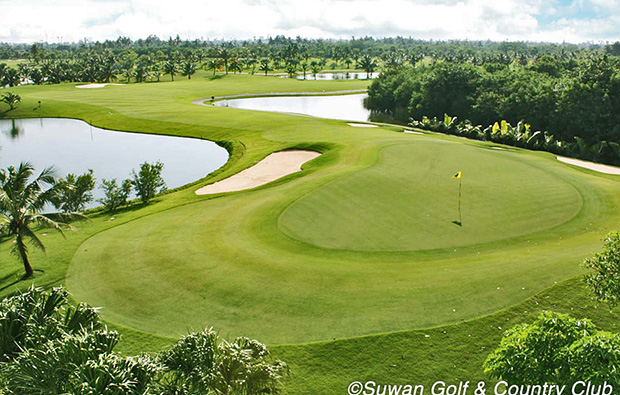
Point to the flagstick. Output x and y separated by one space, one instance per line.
460 182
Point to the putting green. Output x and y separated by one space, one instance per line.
409 201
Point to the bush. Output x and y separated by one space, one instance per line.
604 280
115 195
148 180
556 349
74 192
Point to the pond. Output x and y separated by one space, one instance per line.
337 76
343 107
73 146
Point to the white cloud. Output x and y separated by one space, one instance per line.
30 20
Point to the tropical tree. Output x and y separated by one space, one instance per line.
291 70
264 65
235 65
304 68
49 346
115 195
368 64
12 99
170 67
316 68
74 192
213 64
604 278
188 69
33 317
148 181
556 349
252 62
224 54
202 363
10 77
36 76
21 204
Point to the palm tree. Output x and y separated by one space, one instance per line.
304 67
368 64
224 54
188 68
12 99
21 204
264 65
170 67
213 64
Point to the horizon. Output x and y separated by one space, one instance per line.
530 21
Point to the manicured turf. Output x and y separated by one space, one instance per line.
408 200
359 243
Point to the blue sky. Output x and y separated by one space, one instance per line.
530 20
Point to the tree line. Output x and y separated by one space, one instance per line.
152 58
573 102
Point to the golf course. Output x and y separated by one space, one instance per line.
372 262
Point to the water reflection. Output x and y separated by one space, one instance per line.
13 129
74 147
344 107
337 76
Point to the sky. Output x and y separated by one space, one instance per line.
573 21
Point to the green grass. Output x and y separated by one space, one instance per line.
361 242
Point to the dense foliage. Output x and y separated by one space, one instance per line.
556 349
48 346
604 278
573 96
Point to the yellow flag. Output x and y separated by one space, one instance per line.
457 175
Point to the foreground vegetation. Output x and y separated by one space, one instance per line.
50 347
361 242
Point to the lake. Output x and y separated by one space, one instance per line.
73 146
343 107
336 76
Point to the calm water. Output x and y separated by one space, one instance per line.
74 147
345 107
336 76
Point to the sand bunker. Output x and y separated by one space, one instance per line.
362 125
274 166
590 165
412 131
91 86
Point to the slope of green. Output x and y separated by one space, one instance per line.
451 353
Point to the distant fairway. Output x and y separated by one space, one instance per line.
408 200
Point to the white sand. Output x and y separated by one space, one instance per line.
412 131
91 86
590 165
499 148
274 166
362 125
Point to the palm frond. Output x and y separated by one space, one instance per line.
33 238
